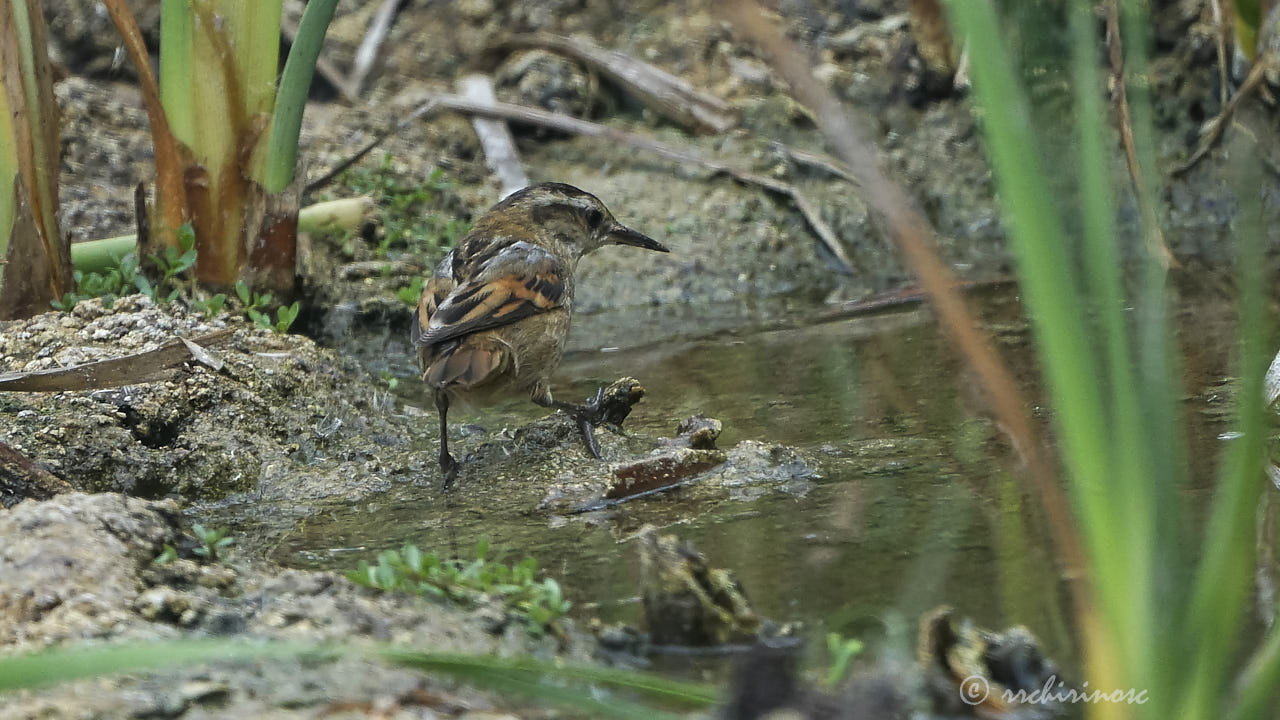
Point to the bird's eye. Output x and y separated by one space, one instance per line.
594 217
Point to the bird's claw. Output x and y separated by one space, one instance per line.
587 417
449 467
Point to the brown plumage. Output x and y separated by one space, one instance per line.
494 316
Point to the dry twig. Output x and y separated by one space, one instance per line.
149 366
1219 123
658 89
21 479
367 53
495 139
563 123
1220 37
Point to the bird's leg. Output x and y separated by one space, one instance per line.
448 465
586 416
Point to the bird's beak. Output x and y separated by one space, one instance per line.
626 236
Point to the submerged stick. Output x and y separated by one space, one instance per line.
499 147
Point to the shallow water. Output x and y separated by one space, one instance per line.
916 501
913 504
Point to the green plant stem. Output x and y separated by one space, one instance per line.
330 215
341 214
524 676
694 695
43 196
8 175
1125 419
175 69
255 33
1039 242
1260 682
295 82
1221 587
63 665
100 255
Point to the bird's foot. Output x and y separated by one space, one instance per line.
587 417
449 467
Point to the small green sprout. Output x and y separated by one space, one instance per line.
168 555
214 542
210 307
417 217
285 317
171 263
391 380
254 304
539 603
121 279
124 278
410 293
842 651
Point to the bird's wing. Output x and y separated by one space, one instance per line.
520 280
434 293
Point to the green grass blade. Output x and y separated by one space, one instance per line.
1159 376
651 686
1260 682
533 688
1053 302
175 69
1219 602
67 664
286 123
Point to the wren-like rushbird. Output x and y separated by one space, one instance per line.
495 314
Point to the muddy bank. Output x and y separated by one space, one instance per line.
278 405
80 568
280 420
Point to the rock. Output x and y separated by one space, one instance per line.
700 432
540 78
205 433
688 602
69 566
617 399
967 668
80 566
83 38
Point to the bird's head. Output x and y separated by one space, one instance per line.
574 218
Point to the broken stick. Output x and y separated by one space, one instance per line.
367 53
499 147
563 123
150 366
